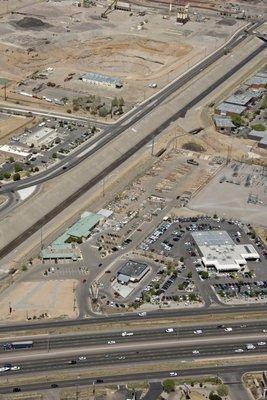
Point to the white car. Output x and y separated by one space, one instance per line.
127 334
173 374
261 343
264 330
142 314
82 358
229 329
111 342
239 351
15 368
121 358
198 332
169 330
4 369
195 352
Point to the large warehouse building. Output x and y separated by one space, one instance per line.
219 251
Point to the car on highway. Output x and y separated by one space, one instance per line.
99 381
261 343
16 389
127 333
71 362
111 342
229 329
239 351
169 330
195 352
54 385
82 358
250 346
15 368
4 369
198 332
121 358
142 314
172 373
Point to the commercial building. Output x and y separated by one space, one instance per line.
121 5
41 137
229 109
103 80
83 227
220 252
61 252
132 271
11 150
243 99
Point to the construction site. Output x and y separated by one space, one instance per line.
48 47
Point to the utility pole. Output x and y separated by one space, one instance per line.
5 97
152 147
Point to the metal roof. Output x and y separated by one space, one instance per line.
234 108
221 122
84 225
133 269
257 80
91 76
212 238
240 99
257 135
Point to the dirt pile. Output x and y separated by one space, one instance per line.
31 23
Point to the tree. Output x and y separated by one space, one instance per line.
168 385
181 259
237 120
222 390
192 297
214 396
215 216
7 175
54 155
259 127
18 168
24 267
16 176
114 102
121 102
205 275
11 159
189 275
103 112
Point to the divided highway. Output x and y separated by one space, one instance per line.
55 342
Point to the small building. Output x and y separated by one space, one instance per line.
229 109
224 124
263 142
132 271
258 81
103 80
123 6
260 136
243 99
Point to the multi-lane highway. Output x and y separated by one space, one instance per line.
79 340
239 310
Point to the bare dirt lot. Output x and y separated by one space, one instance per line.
29 299
137 49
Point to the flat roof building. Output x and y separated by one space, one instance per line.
258 81
219 251
132 271
240 99
99 79
13 150
223 124
41 137
61 252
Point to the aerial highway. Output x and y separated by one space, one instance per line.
238 310
69 341
113 132
137 113
145 376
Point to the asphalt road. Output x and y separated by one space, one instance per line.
149 376
124 318
134 353
55 342
119 161
135 115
